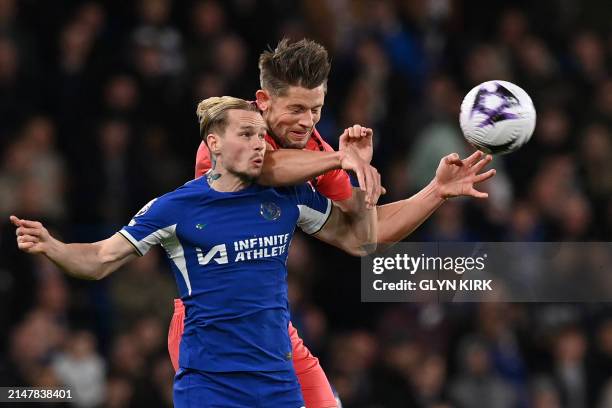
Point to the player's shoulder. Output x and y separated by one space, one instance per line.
188 191
296 192
174 205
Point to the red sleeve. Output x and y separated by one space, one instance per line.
202 164
335 184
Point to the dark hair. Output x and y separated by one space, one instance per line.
303 63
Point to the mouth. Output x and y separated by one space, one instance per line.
300 135
257 161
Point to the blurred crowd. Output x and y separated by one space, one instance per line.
97 108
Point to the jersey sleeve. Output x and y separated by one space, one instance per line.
314 208
202 164
335 184
149 226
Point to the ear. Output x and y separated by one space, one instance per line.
214 143
262 98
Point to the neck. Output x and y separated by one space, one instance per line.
220 179
228 182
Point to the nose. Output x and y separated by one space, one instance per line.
260 144
307 119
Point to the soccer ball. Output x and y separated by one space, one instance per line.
497 117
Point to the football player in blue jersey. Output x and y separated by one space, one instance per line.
227 241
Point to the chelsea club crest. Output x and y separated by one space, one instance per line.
270 211
144 209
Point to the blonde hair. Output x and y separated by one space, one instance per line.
212 112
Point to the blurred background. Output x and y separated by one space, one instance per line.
97 108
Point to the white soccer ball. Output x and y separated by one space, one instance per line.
497 117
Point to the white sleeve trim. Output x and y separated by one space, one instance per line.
147 242
139 248
311 220
174 249
168 239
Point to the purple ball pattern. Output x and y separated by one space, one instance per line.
499 113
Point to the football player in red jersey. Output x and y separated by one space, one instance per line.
293 80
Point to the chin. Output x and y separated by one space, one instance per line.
287 143
296 145
252 175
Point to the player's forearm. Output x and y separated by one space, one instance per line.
83 261
287 167
363 226
399 219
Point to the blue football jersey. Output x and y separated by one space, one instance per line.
228 251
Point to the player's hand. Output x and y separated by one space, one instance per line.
456 177
368 176
360 140
32 236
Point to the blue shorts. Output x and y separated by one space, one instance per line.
204 389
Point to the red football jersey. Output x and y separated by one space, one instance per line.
334 184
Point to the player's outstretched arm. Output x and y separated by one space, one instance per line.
287 167
354 232
454 177
84 261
